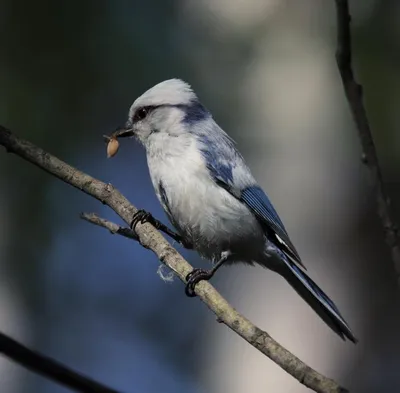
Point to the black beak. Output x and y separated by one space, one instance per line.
123 132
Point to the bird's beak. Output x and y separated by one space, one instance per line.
123 132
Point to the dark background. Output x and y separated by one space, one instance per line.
69 72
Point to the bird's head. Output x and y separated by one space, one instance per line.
167 109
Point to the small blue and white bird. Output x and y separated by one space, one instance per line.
211 197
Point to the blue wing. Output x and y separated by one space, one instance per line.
256 199
228 169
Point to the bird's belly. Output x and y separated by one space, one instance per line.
214 221
205 214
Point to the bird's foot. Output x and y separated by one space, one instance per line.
143 216
194 277
197 275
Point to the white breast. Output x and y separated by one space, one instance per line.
207 215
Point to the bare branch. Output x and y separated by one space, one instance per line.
150 238
49 368
113 228
369 157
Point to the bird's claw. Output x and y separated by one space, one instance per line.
141 216
193 278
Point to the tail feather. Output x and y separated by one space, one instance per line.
318 300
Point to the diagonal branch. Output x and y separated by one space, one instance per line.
150 238
354 96
272 345
49 368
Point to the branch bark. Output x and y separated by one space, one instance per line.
114 229
150 238
354 94
49 368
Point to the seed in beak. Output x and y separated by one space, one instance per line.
112 147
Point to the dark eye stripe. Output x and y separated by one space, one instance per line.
193 112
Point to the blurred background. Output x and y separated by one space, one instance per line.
69 72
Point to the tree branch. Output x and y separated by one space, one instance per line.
354 96
150 238
113 228
49 368
257 342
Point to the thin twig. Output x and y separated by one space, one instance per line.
49 368
115 229
354 94
150 238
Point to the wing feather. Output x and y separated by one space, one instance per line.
229 171
256 199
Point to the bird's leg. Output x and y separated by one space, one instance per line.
197 275
142 216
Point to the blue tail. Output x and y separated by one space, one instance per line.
318 300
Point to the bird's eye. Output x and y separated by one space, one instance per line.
141 113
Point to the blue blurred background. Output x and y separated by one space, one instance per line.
69 72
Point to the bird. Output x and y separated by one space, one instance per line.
211 197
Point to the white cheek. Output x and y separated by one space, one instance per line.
142 131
